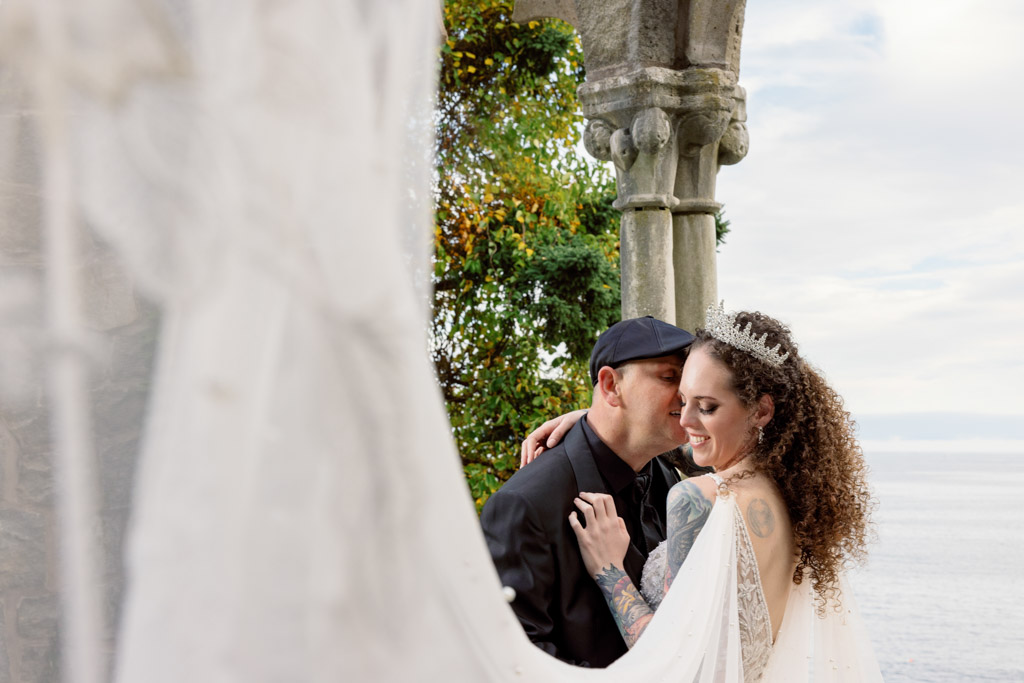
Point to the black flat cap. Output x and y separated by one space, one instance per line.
636 339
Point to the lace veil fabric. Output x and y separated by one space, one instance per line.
262 171
738 646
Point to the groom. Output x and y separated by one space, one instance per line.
634 416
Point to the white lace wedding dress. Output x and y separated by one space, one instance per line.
755 628
739 646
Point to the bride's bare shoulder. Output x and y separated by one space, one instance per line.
700 487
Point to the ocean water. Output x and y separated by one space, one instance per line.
943 590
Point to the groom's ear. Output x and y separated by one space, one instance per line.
609 386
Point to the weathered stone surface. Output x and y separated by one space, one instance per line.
696 272
118 409
5 661
645 158
20 203
655 66
133 347
696 177
23 548
40 663
646 260
107 292
9 454
35 479
525 10
21 310
660 127
115 532
38 618
34 465
735 141
116 470
709 34
30 425
121 365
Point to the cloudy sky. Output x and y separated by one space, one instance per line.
879 210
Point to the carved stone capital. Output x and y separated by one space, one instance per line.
736 140
662 103
645 157
646 120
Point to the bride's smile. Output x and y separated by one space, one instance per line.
721 429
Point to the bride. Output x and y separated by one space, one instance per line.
789 491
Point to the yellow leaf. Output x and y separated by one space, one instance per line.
457 55
489 61
502 90
533 24
529 252
471 69
488 278
533 209
519 217
607 286
471 55
488 197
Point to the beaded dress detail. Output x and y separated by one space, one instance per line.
754 621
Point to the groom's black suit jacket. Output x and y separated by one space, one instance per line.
526 524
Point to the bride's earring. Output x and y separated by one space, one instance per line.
760 435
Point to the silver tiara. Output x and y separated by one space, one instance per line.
723 327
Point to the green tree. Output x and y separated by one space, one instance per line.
526 241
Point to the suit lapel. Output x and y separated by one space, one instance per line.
588 478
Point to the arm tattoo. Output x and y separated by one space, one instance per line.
688 510
760 518
630 610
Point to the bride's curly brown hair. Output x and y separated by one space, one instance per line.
808 450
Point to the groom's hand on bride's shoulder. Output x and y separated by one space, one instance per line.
547 436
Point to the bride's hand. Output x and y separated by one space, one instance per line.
547 436
604 541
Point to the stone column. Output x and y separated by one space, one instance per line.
662 102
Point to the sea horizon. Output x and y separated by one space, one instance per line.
899 446
940 592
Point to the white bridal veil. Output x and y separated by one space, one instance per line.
260 169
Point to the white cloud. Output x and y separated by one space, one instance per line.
879 211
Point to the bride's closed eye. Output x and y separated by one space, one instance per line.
702 410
